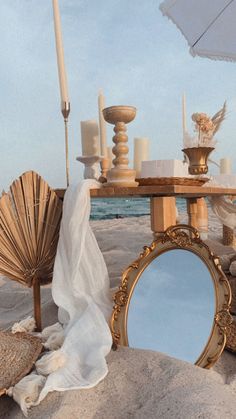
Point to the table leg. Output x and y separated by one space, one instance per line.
229 238
192 208
202 218
163 214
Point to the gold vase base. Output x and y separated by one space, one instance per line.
198 170
120 178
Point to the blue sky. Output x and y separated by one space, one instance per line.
176 286
125 47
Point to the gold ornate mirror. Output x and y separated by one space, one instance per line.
174 299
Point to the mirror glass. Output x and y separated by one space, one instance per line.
172 306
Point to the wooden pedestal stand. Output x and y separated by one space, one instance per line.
120 174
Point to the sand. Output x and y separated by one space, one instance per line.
140 384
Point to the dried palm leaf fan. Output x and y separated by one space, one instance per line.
30 215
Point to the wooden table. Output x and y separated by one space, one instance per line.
162 200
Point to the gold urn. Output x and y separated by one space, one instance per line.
198 159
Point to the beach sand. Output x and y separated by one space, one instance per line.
140 384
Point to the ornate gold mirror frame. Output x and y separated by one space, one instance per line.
186 238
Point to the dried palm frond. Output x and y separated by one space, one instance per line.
218 118
30 215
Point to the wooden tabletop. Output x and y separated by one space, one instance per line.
152 191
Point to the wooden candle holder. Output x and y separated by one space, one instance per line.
91 166
120 174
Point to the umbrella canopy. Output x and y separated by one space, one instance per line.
208 26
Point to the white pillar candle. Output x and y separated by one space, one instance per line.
141 153
60 53
90 138
102 124
225 166
110 157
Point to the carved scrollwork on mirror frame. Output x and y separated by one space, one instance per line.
186 238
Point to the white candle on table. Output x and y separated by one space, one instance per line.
141 153
90 138
60 54
184 122
102 124
110 157
225 166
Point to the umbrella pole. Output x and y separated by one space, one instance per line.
37 304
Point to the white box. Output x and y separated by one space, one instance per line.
164 168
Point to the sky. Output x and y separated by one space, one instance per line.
125 47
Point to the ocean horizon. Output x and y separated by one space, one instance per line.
108 208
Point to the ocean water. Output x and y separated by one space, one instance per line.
107 208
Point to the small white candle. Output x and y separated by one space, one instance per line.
225 166
102 124
60 53
141 153
90 138
110 157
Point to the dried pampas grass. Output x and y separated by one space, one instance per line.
218 118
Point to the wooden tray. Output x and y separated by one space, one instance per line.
172 181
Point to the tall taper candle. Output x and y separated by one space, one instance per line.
60 54
184 114
102 124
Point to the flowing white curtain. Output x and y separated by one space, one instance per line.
81 290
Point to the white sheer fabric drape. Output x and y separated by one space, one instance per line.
81 290
225 210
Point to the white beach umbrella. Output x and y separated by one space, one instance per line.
209 26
